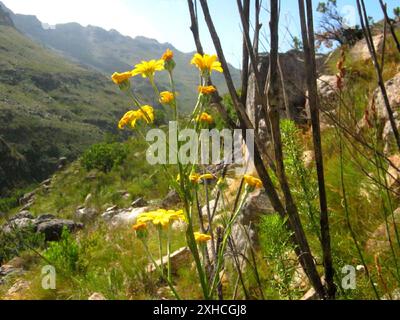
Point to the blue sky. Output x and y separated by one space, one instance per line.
168 20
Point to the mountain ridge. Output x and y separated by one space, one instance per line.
108 51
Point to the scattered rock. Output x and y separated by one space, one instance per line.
17 290
360 269
86 214
27 198
312 294
377 108
360 50
21 215
7 269
138 203
171 200
124 194
46 182
126 217
164 293
179 258
292 65
97 297
257 204
393 173
379 242
62 162
179 225
327 85
91 176
46 224
300 280
109 213
395 295
52 229
204 210
308 158
88 199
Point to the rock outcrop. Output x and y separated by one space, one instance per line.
293 98
47 225
178 259
378 109
379 241
360 50
5 18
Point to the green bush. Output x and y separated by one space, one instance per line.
276 246
104 156
7 204
65 254
14 242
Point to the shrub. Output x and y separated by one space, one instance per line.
14 242
277 247
65 254
104 156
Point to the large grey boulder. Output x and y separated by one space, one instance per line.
293 98
52 229
47 224
377 109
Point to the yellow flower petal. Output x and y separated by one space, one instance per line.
168 55
119 78
148 68
252 181
167 97
139 226
206 118
206 63
201 238
206 90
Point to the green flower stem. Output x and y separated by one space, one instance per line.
224 243
170 284
173 88
156 91
169 253
159 229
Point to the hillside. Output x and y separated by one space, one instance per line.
110 51
50 107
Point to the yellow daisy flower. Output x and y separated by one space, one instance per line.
119 78
139 226
201 238
168 55
145 113
206 63
207 90
206 118
161 217
207 176
194 177
252 181
148 68
167 97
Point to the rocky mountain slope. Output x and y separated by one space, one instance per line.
56 97
50 107
110 51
